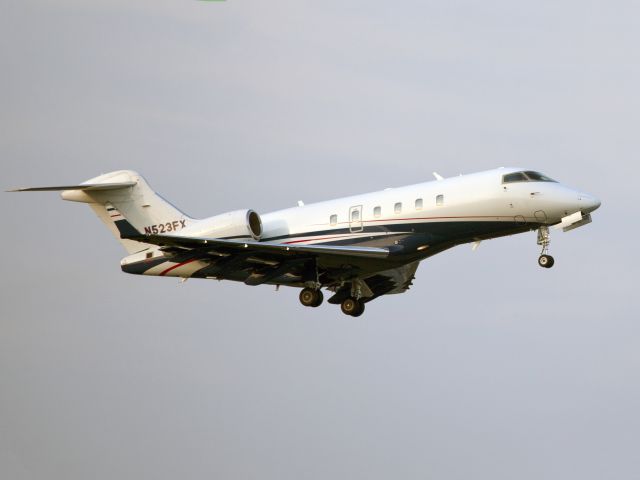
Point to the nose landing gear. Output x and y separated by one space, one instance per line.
544 239
546 261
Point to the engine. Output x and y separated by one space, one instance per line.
236 224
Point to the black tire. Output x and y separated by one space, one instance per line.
309 297
353 307
360 310
349 306
546 261
319 298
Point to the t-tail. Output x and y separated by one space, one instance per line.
126 204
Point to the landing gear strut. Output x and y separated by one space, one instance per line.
310 297
544 239
353 307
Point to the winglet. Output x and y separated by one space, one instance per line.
438 176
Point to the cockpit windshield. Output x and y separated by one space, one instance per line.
528 176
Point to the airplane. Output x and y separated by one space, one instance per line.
358 248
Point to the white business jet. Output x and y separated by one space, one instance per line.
358 247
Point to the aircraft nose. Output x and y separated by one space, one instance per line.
588 203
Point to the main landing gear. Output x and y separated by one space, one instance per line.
352 306
544 239
310 297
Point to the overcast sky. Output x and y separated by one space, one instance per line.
489 367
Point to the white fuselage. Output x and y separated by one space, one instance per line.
479 197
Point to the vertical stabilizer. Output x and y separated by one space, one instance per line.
127 194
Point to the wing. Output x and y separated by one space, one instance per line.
256 262
283 249
218 245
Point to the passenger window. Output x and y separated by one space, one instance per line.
355 215
333 219
440 200
377 211
418 204
397 208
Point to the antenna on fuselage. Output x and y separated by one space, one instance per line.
438 176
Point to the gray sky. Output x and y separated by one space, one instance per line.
490 367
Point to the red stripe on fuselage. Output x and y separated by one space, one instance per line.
176 266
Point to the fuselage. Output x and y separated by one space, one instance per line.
428 217
412 222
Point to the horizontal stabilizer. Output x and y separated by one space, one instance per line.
82 186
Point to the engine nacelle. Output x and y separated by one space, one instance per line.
236 224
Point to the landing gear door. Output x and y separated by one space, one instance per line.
355 219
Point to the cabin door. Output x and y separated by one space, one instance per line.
355 219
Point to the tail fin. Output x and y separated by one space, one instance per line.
124 193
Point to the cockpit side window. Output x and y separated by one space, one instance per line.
525 177
514 177
538 177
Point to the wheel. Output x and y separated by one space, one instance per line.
319 298
360 310
546 261
349 306
310 297
353 307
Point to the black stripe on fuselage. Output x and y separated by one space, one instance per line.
429 232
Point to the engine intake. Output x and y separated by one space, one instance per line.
254 222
